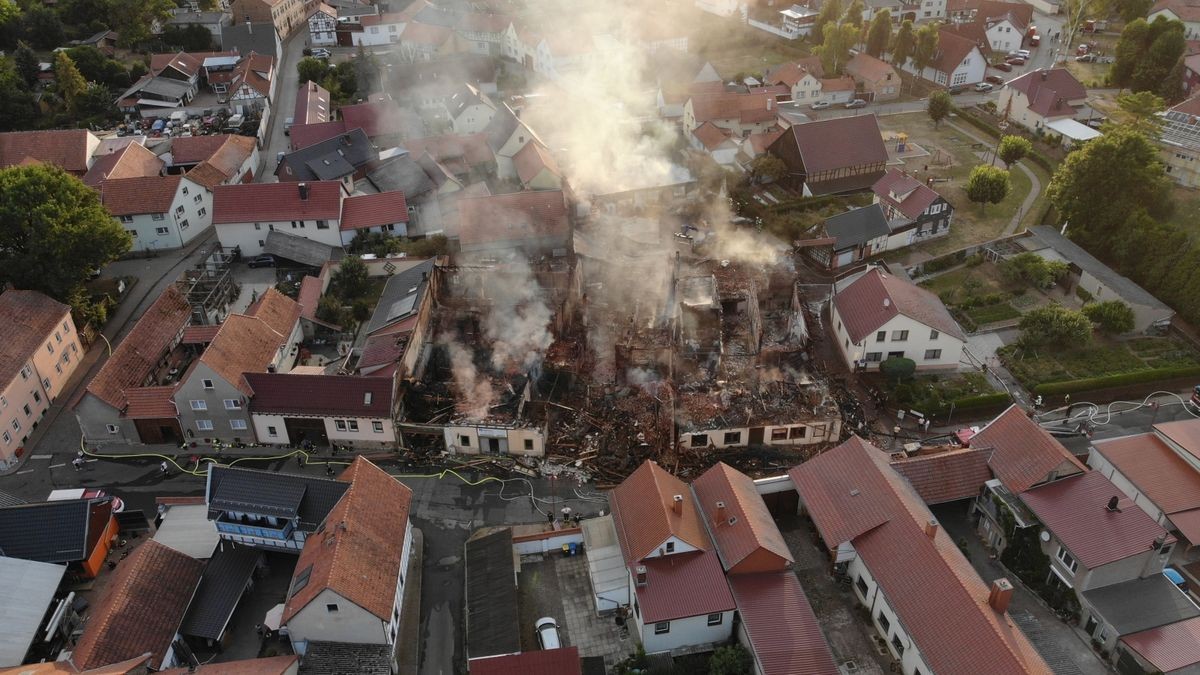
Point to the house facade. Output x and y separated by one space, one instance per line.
324 409
268 510
1182 11
877 316
379 29
876 79
1041 96
959 61
322 26
244 214
850 238
914 211
1179 148
41 351
159 212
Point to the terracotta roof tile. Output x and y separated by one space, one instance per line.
140 351
650 493
131 161
853 495
200 335
224 164
1184 435
746 535
364 211
1049 91
276 310
837 143
914 195
1170 648
425 34
320 395
843 83
357 553
946 476
245 344
1155 469
469 150
784 632
256 72
744 107
791 73
564 661
310 296
1023 453
532 159
132 196
711 136
1075 510
876 297
251 202
312 104
141 609
375 118
519 215
1186 10
304 135
66 149
150 403
196 149
954 46
383 349
865 67
27 320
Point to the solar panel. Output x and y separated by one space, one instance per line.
402 307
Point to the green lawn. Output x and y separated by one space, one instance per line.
992 313
1096 360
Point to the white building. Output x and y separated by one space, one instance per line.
877 316
959 61
322 26
159 212
469 110
1183 11
1041 96
245 213
323 409
380 29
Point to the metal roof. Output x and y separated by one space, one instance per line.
491 619
400 296
47 532
337 658
1141 604
26 590
857 226
299 249
187 529
784 633
606 565
1170 648
1122 286
264 492
220 590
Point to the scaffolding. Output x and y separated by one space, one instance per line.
209 286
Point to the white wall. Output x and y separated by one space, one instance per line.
473 119
172 229
805 433
262 424
366 430
1004 37
379 34
684 633
350 623
914 347
513 442
875 601
249 235
1099 463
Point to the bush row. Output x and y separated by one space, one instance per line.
996 398
1106 381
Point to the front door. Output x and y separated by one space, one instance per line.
493 446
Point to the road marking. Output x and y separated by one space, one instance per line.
40 456
25 471
55 466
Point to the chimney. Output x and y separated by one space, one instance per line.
678 504
641 576
303 191
1112 504
1000 595
931 528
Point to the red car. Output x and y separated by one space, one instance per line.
1004 67
1015 61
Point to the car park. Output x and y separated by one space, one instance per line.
547 633
262 261
984 86
856 103
820 105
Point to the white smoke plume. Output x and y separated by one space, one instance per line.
517 322
476 395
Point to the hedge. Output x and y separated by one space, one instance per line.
1106 381
995 398
1035 156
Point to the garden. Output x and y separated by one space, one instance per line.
982 293
1103 362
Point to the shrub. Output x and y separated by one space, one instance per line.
731 660
898 369
1083 294
1055 325
1111 316
1120 379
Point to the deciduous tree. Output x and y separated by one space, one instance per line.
1013 149
903 44
830 12
27 64
879 35
939 107
730 660
854 14
835 49
17 108
351 280
1034 270
987 185
190 38
1111 316
134 19
67 80
43 28
1055 326
1140 111
926 47
310 69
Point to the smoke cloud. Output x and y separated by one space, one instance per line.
517 322
476 395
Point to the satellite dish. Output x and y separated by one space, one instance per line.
1045 536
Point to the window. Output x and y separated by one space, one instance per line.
37 398
46 382
66 357
699 440
779 434
322 225
179 210
797 432
733 437
16 425
208 384
258 226
353 424
28 412
197 199
204 425
895 355
884 623
662 628
198 404
50 347
1165 550
377 427
933 354
185 189
3 401
861 585
66 328
933 334
162 231
464 441
881 336
670 547
25 372
183 224
8 438
202 212
237 425
1067 561
716 619
899 335
340 425
157 216
874 357
272 432
331 607
529 444
233 404
127 220
896 643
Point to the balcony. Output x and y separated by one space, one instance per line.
254 527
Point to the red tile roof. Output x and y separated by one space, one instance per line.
914 196
1023 453
245 344
946 476
381 19
1168 648
375 118
276 310
853 495
131 161
225 163
67 149
1155 469
357 552
838 84
564 661
312 103
382 349
196 149
746 108
711 136
320 395
27 320
1049 92
876 297
519 215
251 202
650 493
1186 10
1074 510
133 196
310 296
956 43
1183 435
141 609
364 211
256 72
532 159
784 632
200 335
148 403
865 67
746 535
837 143
140 351
791 73
304 135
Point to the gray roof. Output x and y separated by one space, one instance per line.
337 658
221 587
437 17
465 97
857 227
332 158
187 529
501 128
1141 604
255 37
274 494
492 624
299 249
405 174
160 86
55 532
1122 286
26 590
401 296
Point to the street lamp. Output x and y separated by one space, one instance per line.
1002 126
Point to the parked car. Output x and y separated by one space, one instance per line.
321 53
1005 67
1175 577
1023 53
547 633
262 261
1086 58
287 126
994 79
957 89
856 103
1015 61
820 105
984 86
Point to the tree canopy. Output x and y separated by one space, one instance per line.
53 231
190 38
311 70
903 44
43 28
927 40
68 81
133 19
939 107
1013 149
987 185
835 48
897 369
1054 326
1034 270
830 12
1147 55
1111 316
854 14
879 34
